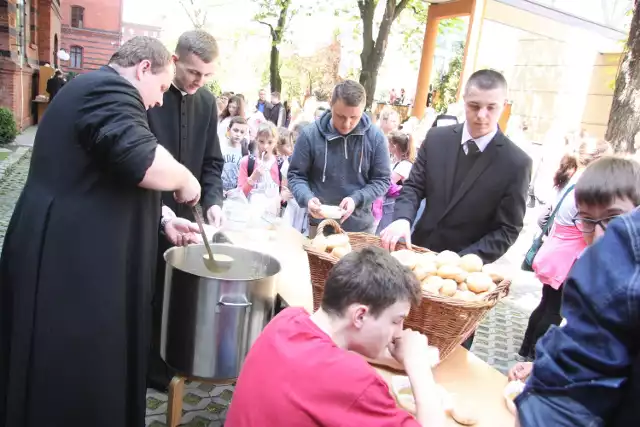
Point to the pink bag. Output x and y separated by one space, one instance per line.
394 190
376 209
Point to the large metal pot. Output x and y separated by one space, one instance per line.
210 320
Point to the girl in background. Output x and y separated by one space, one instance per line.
235 108
403 155
260 177
561 248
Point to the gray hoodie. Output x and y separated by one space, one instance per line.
331 166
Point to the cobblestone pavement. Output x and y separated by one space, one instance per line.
10 188
497 339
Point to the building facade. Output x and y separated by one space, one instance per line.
91 33
29 34
131 30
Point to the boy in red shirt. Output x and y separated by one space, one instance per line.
303 370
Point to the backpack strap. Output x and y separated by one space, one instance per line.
552 217
251 164
280 164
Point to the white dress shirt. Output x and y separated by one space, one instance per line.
481 142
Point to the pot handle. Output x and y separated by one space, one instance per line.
245 303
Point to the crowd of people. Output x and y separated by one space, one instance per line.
123 153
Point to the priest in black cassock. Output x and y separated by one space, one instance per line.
79 257
187 126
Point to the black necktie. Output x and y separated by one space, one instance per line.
472 148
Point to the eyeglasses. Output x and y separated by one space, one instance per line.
586 225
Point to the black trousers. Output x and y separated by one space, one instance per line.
546 314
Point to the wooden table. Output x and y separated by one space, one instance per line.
468 378
473 384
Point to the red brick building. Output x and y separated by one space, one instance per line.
29 34
91 31
131 30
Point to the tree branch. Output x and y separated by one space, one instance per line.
399 8
273 33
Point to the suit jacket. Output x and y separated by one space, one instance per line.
485 215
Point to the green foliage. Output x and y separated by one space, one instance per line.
8 128
214 87
448 82
71 75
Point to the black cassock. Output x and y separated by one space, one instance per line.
78 264
187 126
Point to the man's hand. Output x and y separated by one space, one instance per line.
520 371
189 193
410 349
314 208
215 216
285 194
182 232
400 229
347 205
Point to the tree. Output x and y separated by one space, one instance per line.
624 118
276 15
373 50
197 10
314 74
448 82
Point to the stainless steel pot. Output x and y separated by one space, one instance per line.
210 320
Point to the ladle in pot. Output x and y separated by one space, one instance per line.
215 263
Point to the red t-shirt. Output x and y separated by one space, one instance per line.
295 375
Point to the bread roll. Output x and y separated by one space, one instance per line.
447 258
432 284
340 251
479 282
465 295
449 288
463 286
471 263
336 240
406 257
494 272
452 272
423 270
428 258
319 242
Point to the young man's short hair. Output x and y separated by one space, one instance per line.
486 80
198 42
141 48
609 178
237 120
372 277
350 92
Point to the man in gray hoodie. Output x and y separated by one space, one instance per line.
341 159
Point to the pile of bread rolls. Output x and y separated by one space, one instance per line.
449 275
337 245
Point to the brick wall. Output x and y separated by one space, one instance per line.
100 36
16 75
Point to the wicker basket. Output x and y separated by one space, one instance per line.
447 322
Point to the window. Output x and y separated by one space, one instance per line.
77 17
75 59
20 23
33 19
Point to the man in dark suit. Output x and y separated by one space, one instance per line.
474 179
